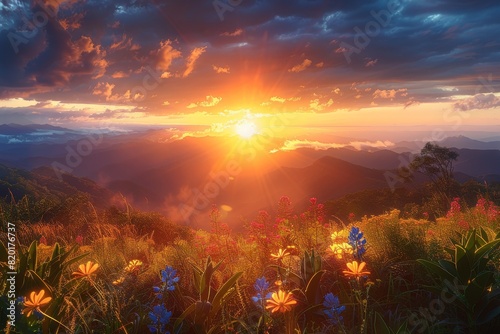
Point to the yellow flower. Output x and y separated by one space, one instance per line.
119 281
34 302
85 270
355 269
280 301
340 249
280 254
133 266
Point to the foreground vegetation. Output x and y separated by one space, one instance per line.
122 271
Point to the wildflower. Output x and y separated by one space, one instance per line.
133 266
280 254
118 281
280 301
454 208
333 308
169 279
355 269
463 224
357 241
85 270
339 236
34 302
79 240
340 249
160 317
261 286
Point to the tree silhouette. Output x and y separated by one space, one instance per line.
437 163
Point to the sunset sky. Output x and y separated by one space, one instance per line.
297 62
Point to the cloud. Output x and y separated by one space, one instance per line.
220 70
124 44
478 101
105 89
191 60
165 55
389 93
119 74
371 62
235 33
290 145
318 106
283 99
301 67
210 101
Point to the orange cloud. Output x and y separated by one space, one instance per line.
299 68
235 33
318 106
290 145
104 89
220 70
191 60
282 99
389 93
210 101
119 74
85 45
166 55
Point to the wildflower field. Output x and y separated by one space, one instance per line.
286 272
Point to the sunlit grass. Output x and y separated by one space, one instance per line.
289 272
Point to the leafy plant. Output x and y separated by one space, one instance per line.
203 311
473 278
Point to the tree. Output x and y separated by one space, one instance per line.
437 163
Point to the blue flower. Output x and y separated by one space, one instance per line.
333 308
168 277
358 242
261 286
160 317
169 280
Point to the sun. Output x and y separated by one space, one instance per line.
245 129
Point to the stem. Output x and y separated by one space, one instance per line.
48 316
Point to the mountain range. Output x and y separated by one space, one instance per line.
183 178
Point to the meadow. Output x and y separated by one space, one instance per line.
126 271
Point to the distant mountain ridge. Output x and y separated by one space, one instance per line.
161 176
12 129
42 184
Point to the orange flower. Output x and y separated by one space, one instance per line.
34 302
280 254
85 270
355 269
280 301
133 266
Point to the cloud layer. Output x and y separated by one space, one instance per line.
313 56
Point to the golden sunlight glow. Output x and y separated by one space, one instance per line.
245 129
